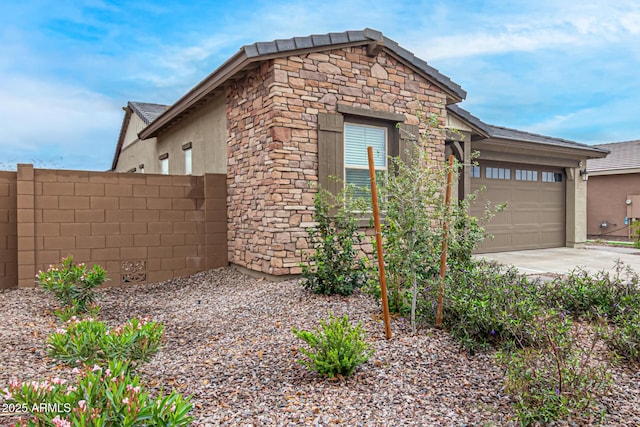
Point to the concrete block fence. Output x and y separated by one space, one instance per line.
139 227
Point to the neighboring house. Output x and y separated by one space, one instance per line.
131 155
613 200
280 115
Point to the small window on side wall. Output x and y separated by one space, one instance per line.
188 160
474 171
356 163
164 164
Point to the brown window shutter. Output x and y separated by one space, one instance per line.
409 138
331 151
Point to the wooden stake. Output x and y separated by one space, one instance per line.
376 222
445 232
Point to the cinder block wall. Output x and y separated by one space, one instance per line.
139 227
8 231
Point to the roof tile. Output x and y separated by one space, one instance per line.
285 45
266 48
339 38
320 39
500 132
303 42
623 155
148 112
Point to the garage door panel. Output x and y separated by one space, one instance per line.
534 216
526 217
495 195
501 240
553 237
502 219
551 218
526 239
525 196
551 195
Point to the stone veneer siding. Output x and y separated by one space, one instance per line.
272 117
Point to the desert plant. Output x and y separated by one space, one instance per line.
91 341
100 396
634 228
559 377
486 304
624 337
593 295
71 284
335 348
412 197
334 267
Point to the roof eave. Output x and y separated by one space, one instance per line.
250 54
478 130
603 172
585 151
230 67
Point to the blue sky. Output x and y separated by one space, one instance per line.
568 69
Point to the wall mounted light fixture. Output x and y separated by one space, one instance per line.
584 174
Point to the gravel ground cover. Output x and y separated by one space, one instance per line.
228 342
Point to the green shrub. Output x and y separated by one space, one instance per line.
594 295
624 337
71 284
334 267
91 341
558 378
101 396
335 348
486 304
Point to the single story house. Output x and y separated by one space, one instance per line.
280 115
613 197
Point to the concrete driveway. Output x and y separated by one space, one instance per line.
562 260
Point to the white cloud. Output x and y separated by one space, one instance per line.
555 25
42 122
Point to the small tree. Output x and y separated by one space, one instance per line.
334 267
412 197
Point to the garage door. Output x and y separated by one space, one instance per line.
535 213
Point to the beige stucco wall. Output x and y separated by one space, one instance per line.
133 129
137 153
206 130
576 208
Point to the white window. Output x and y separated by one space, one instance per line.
188 168
164 164
551 177
474 171
356 163
526 175
497 173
